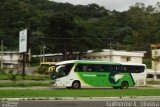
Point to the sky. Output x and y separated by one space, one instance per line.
119 5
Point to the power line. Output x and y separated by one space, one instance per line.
75 38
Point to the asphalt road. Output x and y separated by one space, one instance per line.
56 104
109 102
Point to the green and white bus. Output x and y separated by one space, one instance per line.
82 73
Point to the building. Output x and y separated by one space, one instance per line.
106 55
156 60
10 59
117 56
155 51
56 57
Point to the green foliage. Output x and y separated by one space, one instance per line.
12 75
37 78
4 76
153 82
147 62
27 77
35 61
63 26
78 93
23 84
1 71
42 69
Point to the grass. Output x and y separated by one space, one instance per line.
36 78
4 76
23 84
153 82
78 93
30 80
27 77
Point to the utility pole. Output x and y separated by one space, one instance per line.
1 53
43 60
41 49
110 49
65 52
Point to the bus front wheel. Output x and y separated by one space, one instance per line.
76 85
124 85
68 87
116 87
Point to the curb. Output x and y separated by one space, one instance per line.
81 98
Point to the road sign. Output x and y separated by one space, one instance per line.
23 41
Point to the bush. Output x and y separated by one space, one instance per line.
12 75
147 62
42 69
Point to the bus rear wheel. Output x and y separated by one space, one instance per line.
76 85
124 85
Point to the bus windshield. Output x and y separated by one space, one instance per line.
62 70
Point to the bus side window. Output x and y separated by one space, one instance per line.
106 68
139 69
130 69
84 68
79 68
121 68
94 68
98 68
125 69
112 68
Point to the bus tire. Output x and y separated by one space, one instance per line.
116 87
68 87
76 85
124 85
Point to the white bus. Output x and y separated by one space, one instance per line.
80 73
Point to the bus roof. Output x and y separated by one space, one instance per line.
86 62
132 64
96 62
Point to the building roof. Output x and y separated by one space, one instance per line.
106 52
10 52
116 53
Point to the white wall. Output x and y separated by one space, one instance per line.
136 59
154 54
10 57
117 56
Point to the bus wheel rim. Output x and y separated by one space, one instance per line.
124 85
76 85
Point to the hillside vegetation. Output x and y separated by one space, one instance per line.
77 27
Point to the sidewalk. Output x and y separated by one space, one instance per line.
135 98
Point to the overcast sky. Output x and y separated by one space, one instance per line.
119 5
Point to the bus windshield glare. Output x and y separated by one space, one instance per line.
61 71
